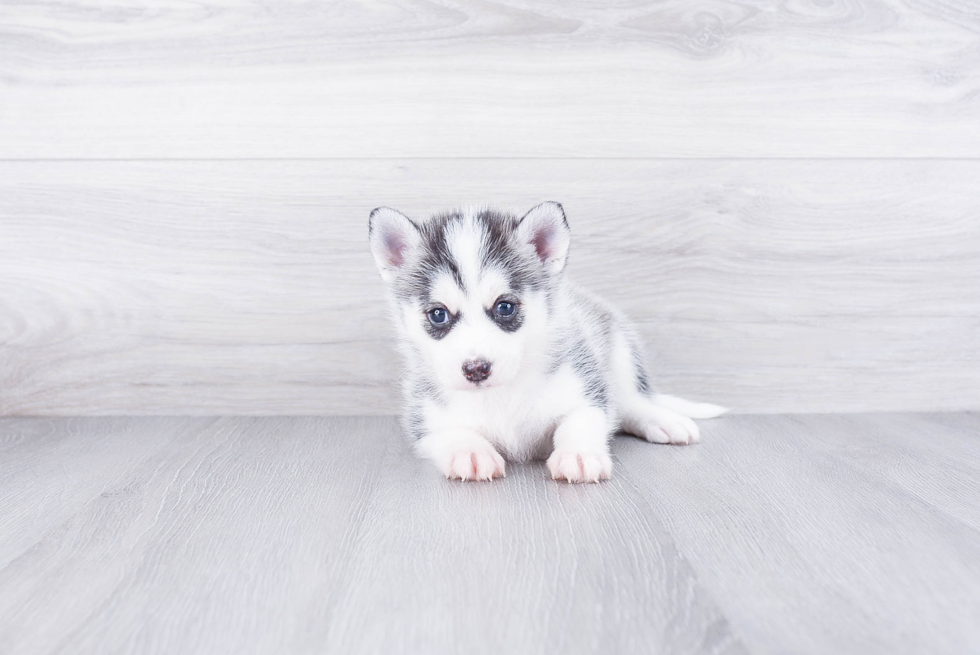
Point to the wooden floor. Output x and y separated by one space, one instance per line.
820 534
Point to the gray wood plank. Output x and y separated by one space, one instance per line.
215 544
55 468
901 449
807 546
526 566
676 78
292 535
248 288
320 535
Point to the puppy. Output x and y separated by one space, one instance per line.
505 357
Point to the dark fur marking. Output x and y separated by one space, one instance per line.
642 381
422 388
414 423
434 258
584 363
502 249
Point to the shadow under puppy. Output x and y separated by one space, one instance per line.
505 356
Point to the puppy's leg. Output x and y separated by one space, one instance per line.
640 413
462 454
582 447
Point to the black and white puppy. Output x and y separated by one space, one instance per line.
505 357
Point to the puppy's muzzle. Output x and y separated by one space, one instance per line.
476 370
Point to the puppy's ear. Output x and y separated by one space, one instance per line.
545 228
394 237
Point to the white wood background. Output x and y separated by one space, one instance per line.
785 195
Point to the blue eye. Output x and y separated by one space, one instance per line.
438 316
506 309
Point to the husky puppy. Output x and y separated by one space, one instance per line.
505 358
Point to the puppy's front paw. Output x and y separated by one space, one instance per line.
479 463
462 455
579 466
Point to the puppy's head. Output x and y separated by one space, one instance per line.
471 288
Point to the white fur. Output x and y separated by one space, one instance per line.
687 407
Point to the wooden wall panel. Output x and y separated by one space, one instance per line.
247 287
653 78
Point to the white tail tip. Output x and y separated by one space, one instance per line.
688 408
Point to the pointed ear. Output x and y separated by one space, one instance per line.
393 239
545 228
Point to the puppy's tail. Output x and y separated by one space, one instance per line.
688 408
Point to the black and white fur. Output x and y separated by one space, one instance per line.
505 357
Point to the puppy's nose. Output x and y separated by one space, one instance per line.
476 370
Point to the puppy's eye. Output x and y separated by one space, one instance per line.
506 309
438 316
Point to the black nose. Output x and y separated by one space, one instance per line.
476 370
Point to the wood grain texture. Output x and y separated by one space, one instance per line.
248 525
248 287
681 78
817 534
325 535
900 450
279 535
